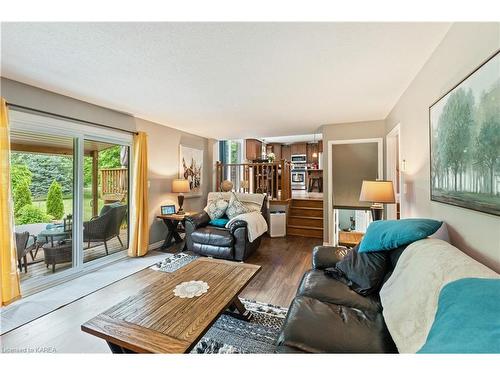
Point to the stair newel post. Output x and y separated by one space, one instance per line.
218 177
284 176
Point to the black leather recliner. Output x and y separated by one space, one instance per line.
224 243
326 316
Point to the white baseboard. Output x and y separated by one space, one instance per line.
155 245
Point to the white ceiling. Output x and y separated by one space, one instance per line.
225 80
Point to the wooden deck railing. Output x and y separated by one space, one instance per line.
274 179
114 184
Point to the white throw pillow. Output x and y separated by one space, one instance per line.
217 208
441 233
235 207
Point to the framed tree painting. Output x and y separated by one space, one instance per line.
465 141
191 169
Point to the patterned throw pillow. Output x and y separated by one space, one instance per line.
217 208
235 207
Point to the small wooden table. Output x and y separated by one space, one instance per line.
350 239
156 321
172 222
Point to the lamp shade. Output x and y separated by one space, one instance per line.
180 186
377 192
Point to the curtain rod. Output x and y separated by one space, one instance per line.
68 118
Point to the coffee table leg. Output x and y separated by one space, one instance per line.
116 349
237 310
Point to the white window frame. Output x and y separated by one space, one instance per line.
41 124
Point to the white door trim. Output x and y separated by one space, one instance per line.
379 141
391 166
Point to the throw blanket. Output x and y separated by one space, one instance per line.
410 296
468 318
256 224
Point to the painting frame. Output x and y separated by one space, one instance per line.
191 168
478 206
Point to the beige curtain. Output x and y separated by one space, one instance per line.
9 276
140 226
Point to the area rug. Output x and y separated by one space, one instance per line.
173 262
229 335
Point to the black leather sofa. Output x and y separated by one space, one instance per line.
224 243
326 316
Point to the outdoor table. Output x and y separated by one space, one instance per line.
55 232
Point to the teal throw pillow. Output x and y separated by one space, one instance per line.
221 222
383 235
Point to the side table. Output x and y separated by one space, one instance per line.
172 222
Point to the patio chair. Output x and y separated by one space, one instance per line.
22 249
106 226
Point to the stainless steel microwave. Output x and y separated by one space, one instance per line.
299 158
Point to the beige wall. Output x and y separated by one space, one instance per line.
463 49
163 143
337 132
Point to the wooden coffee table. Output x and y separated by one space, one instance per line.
156 321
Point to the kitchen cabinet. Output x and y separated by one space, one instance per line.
311 149
253 149
275 148
286 152
299 148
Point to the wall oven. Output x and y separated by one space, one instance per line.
298 180
299 166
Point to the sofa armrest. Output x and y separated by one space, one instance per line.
236 225
327 256
197 220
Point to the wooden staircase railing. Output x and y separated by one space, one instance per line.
274 179
114 184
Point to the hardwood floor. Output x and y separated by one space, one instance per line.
283 262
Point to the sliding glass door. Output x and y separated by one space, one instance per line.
70 184
105 199
42 173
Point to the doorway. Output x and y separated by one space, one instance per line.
349 163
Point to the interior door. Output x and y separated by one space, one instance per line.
351 162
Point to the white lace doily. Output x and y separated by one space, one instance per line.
190 289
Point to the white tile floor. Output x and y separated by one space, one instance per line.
38 304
